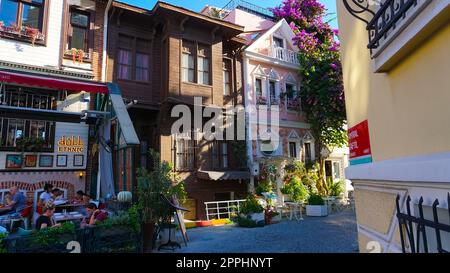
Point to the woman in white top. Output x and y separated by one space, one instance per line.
46 195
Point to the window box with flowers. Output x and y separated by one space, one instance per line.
293 104
261 100
77 55
22 33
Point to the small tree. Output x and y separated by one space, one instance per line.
151 184
322 89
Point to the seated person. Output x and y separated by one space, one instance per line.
86 199
8 198
46 219
45 197
57 194
18 200
79 197
95 215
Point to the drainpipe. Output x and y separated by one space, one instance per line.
245 60
105 39
103 79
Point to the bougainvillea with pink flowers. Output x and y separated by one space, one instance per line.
322 90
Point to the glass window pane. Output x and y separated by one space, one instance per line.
78 39
142 60
79 19
200 63
31 16
191 75
8 12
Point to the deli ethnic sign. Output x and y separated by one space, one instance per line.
359 144
70 144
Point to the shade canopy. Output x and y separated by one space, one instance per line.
52 82
228 175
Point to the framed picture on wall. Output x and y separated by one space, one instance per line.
61 161
78 160
14 161
30 161
46 161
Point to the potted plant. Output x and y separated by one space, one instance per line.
316 206
33 33
295 189
151 184
251 210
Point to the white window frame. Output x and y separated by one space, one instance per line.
308 138
273 77
275 35
293 137
259 73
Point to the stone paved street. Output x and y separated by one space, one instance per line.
335 233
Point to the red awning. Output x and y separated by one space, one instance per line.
53 83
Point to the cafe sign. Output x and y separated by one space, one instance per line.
70 144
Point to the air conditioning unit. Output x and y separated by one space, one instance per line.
254 170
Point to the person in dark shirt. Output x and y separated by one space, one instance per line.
46 219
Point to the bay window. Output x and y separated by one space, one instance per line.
133 59
187 62
226 77
203 65
196 58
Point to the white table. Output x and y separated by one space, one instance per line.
295 209
59 217
328 202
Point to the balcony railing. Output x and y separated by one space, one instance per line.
222 209
247 7
285 55
387 18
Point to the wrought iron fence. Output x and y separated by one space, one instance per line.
386 18
383 16
413 229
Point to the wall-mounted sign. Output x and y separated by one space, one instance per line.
359 144
70 144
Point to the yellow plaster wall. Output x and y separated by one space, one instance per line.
408 109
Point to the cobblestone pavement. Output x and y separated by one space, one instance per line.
334 233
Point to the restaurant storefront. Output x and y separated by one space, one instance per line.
52 130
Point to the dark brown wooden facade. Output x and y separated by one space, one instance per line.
153 87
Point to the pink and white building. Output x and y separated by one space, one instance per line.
271 81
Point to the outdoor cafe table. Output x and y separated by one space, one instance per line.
295 209
59 217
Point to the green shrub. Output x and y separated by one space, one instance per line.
2 247
51 236
316 200
263 187
251 205
296 190
337 188
248 223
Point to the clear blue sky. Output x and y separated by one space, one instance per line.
197 5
